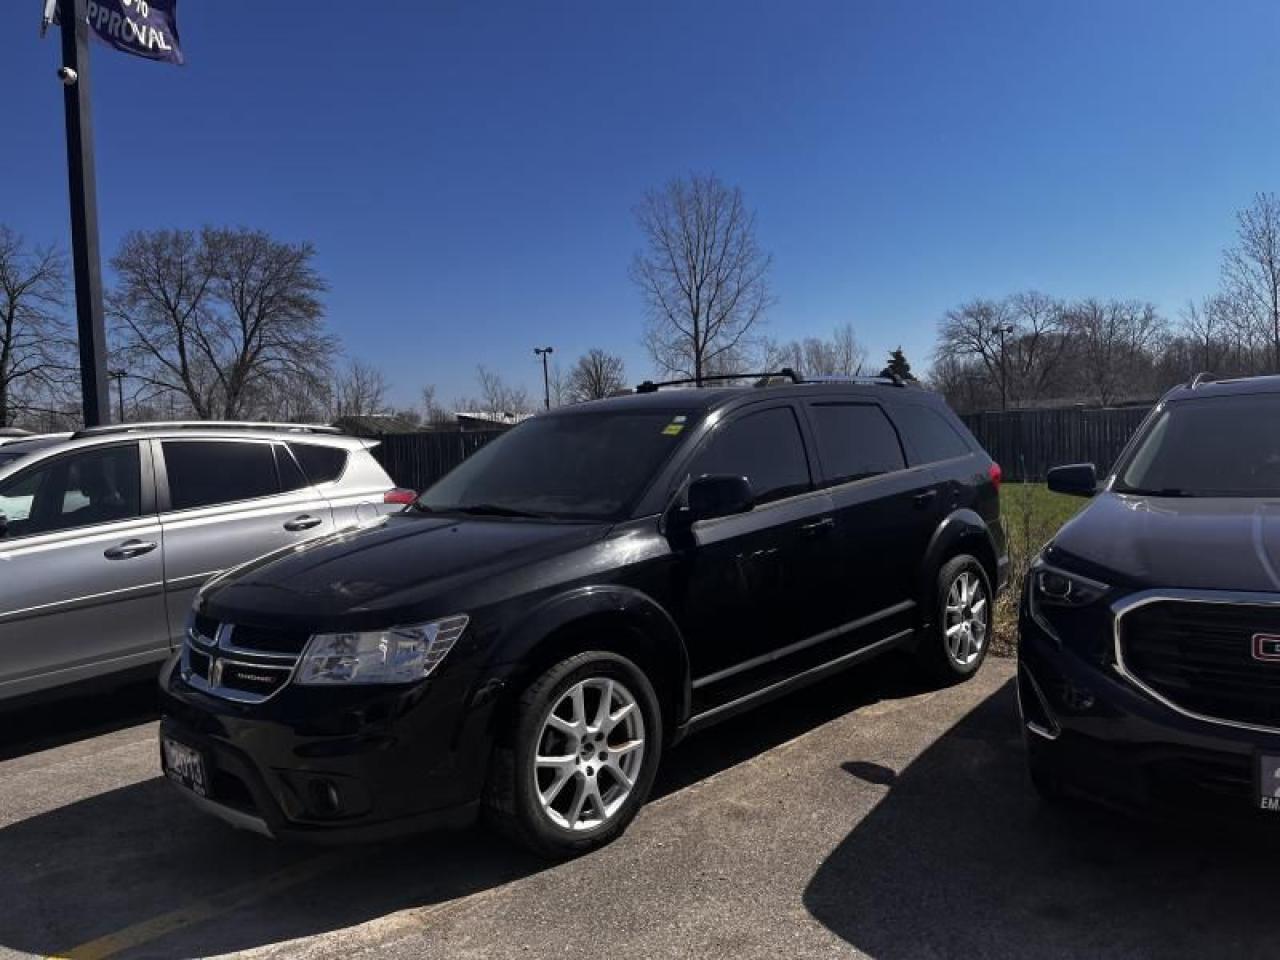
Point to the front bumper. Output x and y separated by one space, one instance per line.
334 765
1103 737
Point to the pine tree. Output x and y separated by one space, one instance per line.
898 366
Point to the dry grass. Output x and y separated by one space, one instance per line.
1032 515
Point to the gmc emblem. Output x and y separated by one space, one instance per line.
1266 646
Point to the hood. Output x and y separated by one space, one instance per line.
1219 543
404 562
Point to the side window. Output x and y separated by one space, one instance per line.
764 447
928 434
102 485
855 440
320 464
206 472
291 477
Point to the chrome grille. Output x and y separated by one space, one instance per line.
1196 654
248 665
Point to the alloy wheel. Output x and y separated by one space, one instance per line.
589 754
967 619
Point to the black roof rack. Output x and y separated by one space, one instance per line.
247 425
650 386
891 380
1204 376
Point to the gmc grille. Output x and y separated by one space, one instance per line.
1199 656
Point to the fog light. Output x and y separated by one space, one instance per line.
325 799
1077 699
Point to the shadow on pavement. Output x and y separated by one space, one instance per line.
140 863
961 859
78 715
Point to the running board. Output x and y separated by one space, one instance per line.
726 710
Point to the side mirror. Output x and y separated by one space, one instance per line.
719 495
1077 480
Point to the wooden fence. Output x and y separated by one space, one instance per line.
417 460
1026 443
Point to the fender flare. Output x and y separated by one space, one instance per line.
581 603
963 531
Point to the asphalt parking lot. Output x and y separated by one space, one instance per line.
869 816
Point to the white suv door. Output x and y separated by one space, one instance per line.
81 569
224 502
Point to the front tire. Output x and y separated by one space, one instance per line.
582 757
964 610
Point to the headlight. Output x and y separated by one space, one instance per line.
397 655
1054 591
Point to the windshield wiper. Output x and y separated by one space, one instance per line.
495 510
1156 492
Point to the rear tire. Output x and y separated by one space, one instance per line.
581 758
963 612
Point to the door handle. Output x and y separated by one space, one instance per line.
815 527
304 522
923 500
130 548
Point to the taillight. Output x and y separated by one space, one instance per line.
399 495
996 474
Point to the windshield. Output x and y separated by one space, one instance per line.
581 466
1214 447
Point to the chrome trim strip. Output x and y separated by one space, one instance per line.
236 818
139 592
1046 733
798 679
215 652
804 644
1127 605
226 641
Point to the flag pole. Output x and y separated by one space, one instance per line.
85 255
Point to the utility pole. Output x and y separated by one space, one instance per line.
1004 329
546 380
85 256
118 376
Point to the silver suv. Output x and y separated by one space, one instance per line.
106 534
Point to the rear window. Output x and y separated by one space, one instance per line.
320 464
928 434
855 441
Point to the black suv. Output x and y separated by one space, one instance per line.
1149 660
544 621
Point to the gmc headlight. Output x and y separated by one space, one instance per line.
1054 590
396 655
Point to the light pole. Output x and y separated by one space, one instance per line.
1004 330
543 352
118 376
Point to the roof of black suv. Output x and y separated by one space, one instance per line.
1204 386
706 399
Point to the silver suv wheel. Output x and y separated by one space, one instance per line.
589 754
967 618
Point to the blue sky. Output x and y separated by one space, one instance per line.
467 170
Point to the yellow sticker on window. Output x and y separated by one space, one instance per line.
672 429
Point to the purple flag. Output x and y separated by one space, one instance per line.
145 28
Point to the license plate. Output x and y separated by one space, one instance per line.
185 766
1269 784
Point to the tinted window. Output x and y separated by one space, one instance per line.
321 464
568 466
855 441
291 477
928 433
97 486
764 447
1216 446
205 472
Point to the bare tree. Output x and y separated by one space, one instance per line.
223 318
1251 269
703 275
979 330
360 390
432 411
596 375
1116 340
841 355
558 385
498 399
34 340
